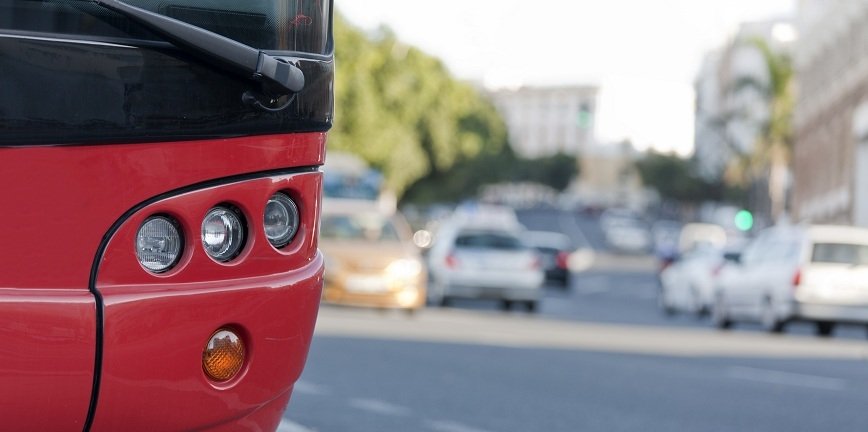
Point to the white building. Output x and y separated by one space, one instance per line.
830 155
543 121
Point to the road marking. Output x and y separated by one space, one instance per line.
785 378
287 425
311 388
377 406
450 426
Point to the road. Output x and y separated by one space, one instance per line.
597 357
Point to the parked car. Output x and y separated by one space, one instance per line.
687 285
370 258
810 273
554 251
475 259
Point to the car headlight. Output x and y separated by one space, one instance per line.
404 269
280 220
222 233
158 244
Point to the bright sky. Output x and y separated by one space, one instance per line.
643 53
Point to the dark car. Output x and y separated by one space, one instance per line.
554 250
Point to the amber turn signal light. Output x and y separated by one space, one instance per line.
223 355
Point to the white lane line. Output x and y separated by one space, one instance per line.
786 378
287 425
310 388
377 406
450 426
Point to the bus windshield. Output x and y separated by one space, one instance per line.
104 77
278 25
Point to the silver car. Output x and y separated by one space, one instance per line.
478 261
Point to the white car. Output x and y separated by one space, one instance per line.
484 261
687 285
627 235
806 273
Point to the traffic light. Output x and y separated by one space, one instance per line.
743 220
585 117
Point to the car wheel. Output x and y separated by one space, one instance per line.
531 306
663 302
506 304
769 318
437 293
695 306
719 315
444 301
824 328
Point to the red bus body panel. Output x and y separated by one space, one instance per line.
62 204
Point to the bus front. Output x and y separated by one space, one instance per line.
161 177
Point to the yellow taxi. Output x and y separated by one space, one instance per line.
370 258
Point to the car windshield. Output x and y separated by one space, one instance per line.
840 253
366 227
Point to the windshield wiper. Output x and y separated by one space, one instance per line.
277 77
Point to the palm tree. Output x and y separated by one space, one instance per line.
774 147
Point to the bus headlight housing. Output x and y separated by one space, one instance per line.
222 233
158 244
280 220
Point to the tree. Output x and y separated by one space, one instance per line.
674 179
402 112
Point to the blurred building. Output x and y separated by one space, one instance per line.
608 178
830 160
732 105
543 121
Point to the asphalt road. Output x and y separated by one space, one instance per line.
597 357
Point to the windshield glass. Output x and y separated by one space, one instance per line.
369 227
284 25
488 241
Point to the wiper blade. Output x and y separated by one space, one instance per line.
276 75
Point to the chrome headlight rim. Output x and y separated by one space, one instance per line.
175 258
235 226
288 207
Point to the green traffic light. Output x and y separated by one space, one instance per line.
744 220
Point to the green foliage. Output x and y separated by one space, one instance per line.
673 178
466 177
401 111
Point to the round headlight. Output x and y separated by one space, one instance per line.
281 220
222 233
158 244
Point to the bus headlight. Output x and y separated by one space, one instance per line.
281 220
158 244
222 233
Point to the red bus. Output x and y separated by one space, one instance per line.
161 183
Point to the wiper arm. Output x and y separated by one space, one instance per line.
276 75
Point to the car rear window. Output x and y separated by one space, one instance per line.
280 25
840 253
489 241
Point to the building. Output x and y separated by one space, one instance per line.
543 121
732 106
830 155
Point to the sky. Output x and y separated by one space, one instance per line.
643 54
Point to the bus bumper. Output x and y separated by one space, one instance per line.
152 376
